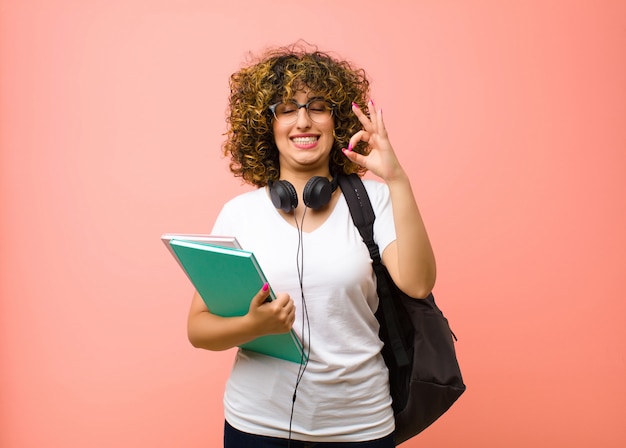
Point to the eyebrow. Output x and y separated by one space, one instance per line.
313 98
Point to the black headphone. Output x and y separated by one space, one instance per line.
316 194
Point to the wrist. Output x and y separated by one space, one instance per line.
399 179
248 327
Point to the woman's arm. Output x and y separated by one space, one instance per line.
409 259
212 332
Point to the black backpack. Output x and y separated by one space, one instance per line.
424 375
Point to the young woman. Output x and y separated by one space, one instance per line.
298 118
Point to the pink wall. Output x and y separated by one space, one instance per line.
510 116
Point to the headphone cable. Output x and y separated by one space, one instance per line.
306 324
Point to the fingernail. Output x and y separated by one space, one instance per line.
266 287
355 105
372 102
350 147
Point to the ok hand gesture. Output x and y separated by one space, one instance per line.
381 159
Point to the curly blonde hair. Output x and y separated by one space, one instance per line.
275 77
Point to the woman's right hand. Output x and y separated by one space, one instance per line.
272 317
212 332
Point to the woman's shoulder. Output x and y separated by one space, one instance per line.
378 193
375 188
236 211
246 199
374 184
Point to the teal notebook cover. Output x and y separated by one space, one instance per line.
227 279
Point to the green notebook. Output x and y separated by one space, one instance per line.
227 278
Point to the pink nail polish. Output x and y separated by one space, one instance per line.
355 105
266 287
350 147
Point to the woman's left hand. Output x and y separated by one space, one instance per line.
409 259
381 160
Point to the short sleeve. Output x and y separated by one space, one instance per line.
384 227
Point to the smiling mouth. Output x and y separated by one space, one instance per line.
304 140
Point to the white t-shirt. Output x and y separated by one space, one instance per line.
344 392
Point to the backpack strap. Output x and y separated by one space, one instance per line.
363 216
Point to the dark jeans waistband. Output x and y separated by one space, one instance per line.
233 438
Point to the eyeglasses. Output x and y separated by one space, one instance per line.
319 111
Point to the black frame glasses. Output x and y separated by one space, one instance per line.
292 118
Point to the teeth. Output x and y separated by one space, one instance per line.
304 140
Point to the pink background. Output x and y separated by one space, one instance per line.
510 117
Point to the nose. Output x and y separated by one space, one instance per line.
303 121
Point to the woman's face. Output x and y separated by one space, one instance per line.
304 145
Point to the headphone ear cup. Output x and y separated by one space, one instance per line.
283 195
317 192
